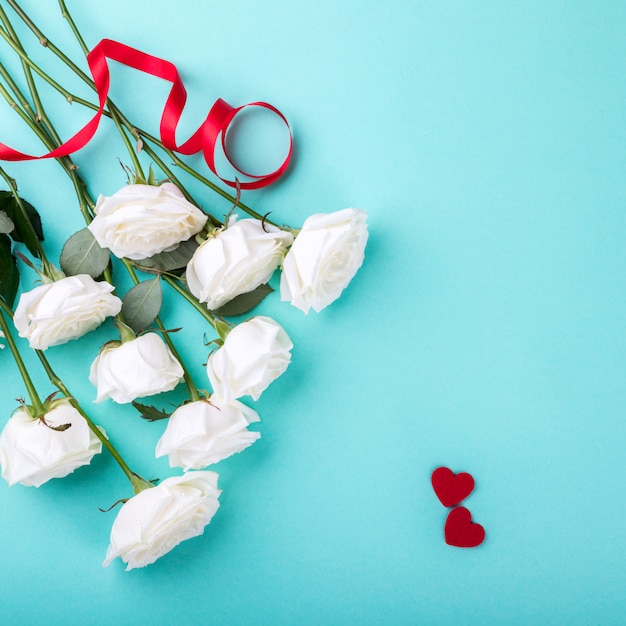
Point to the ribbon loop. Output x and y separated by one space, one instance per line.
204 139
220 118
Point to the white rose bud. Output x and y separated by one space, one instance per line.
157 519
235 261
324 258
140 221
141 367
66 309
31 453
205 432
254 354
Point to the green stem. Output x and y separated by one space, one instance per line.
16 91
30 387
70 97
129 146
194 394
221 326
39 114
14 105
66 14
44 41
85 203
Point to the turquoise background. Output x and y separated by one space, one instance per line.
485 331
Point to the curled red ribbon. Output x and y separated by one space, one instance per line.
204 139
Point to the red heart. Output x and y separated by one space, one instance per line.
451 488
460 531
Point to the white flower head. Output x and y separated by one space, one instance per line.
33 452
324 258
201 433
254 353
66 309
157 519
236 260
140 221
141 367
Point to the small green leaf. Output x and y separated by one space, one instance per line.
142 304
82 254
152 179
27 228
244 302
60 428
171 261
150 413
9 274
6 223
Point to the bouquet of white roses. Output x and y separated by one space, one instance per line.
221 267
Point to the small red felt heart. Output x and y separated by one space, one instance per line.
451 488
460 531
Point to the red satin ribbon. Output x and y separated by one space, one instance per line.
204 139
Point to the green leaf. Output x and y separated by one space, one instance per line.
142 304
150 413
35 219
27 228
244 302
6 223
9 274
152 179
82 254
60 428
171 261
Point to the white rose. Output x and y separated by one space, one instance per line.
31 453
205 432
254 354
235 261
140 221
141 367
157 519
69 308
324 258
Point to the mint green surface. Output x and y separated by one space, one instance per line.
485 331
